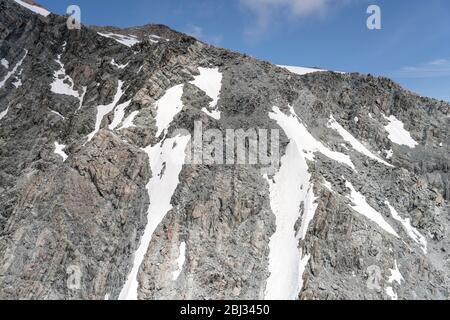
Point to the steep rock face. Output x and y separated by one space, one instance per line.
372 199
83 219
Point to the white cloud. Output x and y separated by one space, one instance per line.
432 69
295 7
267 11
198 33
439 62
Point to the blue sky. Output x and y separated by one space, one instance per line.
413 46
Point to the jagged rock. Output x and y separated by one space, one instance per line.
71 229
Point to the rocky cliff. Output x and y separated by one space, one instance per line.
100 199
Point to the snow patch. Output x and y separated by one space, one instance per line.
4 113
5 63
302 267
290 187
103 110
119 66
82 98
13 71
17 83
210 82
389 154
128 122
59 151
358 146
35 9
301 70
180 261
361 206
309 209
307 144
395 276
63 83
156 39
286 196
390 292
128 41
398 134
168 107
213 114
58 114
166 161
328 185
119 113
412 232
304 70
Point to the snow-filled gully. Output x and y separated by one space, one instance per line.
210 82
63 83
361 206
36 9
412 232
4 113
13 71
103 110
395 276
59 151
180 261
358 146
4 63
9 75
286 196
168 107
398 134
126 40
289 188
166 162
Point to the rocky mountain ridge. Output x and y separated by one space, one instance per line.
97 201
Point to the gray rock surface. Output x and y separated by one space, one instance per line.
70 229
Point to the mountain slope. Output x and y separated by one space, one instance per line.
359 196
